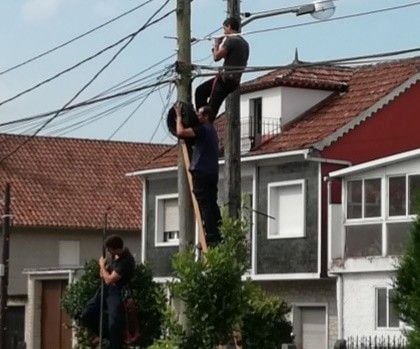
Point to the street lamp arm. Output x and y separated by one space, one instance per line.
305 9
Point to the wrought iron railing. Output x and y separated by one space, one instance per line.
254 132
376 342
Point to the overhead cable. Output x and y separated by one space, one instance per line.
127 38
74 39
149 21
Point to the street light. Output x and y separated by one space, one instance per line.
319 9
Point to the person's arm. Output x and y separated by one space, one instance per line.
219 50
181 131
109 278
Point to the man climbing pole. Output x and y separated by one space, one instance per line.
115 275
235 51
204 168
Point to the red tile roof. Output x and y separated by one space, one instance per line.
69 183
321 77
356 89
366 86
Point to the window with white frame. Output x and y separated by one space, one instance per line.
364 198
366 220
404 195
167 220
386 314
286 209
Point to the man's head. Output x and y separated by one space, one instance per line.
204 115
231 25
114 244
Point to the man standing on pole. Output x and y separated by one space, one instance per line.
234 49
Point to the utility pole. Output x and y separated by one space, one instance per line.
186 216
232 168
4 273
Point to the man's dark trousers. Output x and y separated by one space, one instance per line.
215 91
205 190
114 322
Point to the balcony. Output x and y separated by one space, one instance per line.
254 131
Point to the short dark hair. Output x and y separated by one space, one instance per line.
208 111
114 242
232 22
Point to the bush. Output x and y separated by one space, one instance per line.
147 294
218 303
264 322
407 287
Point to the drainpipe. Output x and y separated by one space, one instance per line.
340 306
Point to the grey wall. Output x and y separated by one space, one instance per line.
291 255
39 248
158 258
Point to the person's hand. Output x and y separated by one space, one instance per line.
178 109
102 262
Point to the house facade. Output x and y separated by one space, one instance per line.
369 228
61 189
298 125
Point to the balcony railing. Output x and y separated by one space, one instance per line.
255 132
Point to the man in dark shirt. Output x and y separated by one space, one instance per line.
115 275
235 51
204 168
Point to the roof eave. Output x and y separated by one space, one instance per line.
327 141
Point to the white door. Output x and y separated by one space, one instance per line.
314 329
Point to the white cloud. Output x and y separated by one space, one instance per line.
36 11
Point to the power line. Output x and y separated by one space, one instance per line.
164 110
129 37
149 21
87 103
332 19
347 60
135 110
73 39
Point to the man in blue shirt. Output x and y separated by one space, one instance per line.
204 168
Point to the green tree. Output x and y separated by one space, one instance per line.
407 286
219 303
148 295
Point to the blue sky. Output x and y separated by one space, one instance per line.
30 27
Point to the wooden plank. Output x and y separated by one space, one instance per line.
201 231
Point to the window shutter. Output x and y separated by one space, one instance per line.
171 215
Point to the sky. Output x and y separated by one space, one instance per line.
31 27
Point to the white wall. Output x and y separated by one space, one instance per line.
295 101
286 103
359 304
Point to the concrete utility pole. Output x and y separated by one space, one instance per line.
232 168
186 216
5 267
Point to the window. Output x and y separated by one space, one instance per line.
400 188
368 231
255 119
364 198
69 253
386 315
286 208
167 220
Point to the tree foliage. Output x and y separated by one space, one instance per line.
148 295
219 303
407 286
